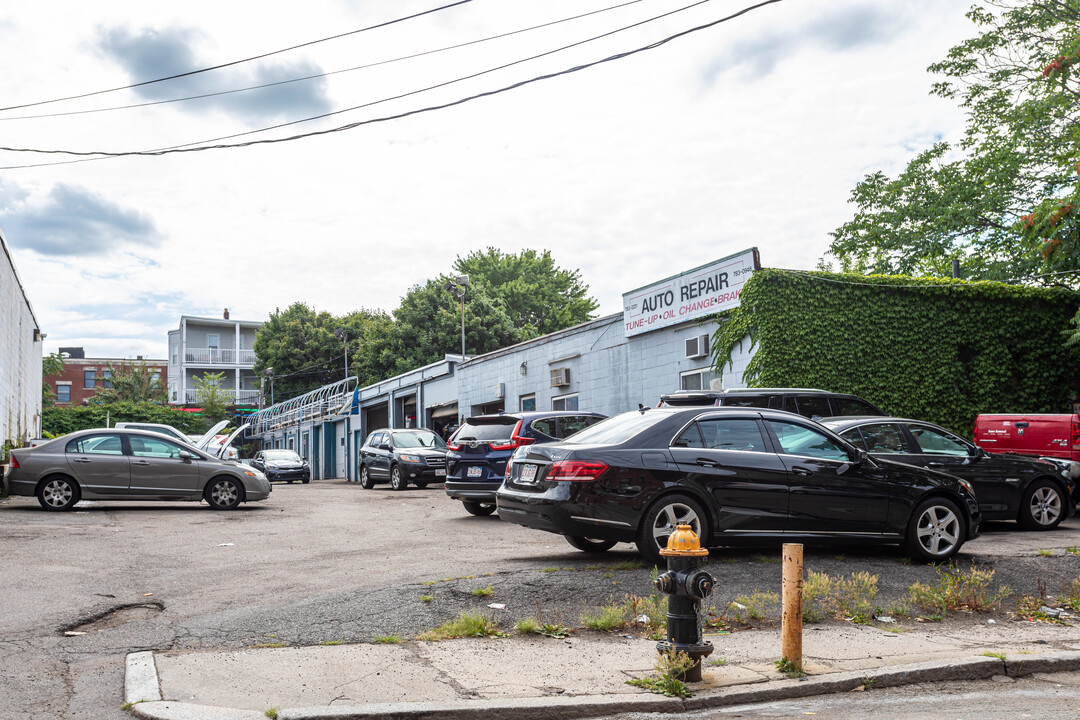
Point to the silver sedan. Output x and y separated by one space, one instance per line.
118 464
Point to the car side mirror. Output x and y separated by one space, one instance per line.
185 455
384 446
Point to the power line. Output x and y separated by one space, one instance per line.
197 147
321 75
237 62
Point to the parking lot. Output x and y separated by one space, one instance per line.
332 562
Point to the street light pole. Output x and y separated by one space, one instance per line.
344 337
457 285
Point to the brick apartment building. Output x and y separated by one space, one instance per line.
82 377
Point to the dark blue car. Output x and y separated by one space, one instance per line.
480 448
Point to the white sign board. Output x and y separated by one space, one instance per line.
694 294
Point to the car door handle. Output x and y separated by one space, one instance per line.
140 462
706 462
800 470
935 464
81 460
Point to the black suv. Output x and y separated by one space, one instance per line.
480 448
402 456
807 402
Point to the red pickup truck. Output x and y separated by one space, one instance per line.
1050 436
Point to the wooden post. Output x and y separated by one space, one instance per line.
791 627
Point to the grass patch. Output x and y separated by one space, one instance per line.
650 611
1046 553
603 619
755 607
464 625
670 668
957 590
486 591
388 640
427 598
550 627
849 598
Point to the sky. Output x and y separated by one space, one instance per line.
749 132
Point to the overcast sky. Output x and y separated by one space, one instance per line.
749 133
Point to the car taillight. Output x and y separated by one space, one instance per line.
14 463
509 466
1075 436
575 471
452 446
517 441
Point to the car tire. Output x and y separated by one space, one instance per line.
662 518
289 481
421 484
58 493
590 545
366 480
306 480
1042 507
935 530
479 509
224 493
397 480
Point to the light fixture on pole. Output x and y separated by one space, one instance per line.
344 337
269 373
457 285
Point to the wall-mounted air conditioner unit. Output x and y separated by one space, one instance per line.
697 346
560 377
500 390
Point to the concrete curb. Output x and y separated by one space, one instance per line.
141 678
566 708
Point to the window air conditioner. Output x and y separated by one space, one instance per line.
560 377
697 346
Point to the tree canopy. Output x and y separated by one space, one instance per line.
1003 201
510 298
133 383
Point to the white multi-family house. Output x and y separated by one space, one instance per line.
20 359
213 345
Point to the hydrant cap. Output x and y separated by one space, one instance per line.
684 541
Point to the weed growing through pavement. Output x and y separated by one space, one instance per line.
767 559
850 598
130 705
649 611
958 590
789 668
717 662
427 598
603 619
754 607
271 713
1073 550
815 598
485 591
330 642
387 640
998 655
1046 553
269 645
868 682
1070 596
539 625
464 625
671 667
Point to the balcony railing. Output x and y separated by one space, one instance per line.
219 356
237 397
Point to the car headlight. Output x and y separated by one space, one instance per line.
410 458
967 486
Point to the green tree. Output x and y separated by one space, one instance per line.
301 346
51 364
427 325
1003 200
132 383
211 398
539 296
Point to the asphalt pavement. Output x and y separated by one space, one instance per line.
584 675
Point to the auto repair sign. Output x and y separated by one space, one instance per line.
694 294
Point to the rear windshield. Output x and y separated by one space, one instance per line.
484 431
617 429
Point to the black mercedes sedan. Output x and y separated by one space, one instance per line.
737 476
1035 493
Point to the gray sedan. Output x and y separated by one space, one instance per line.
118 464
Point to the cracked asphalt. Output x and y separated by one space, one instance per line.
330 562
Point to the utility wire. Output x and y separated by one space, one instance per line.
237 62
197 146
325 74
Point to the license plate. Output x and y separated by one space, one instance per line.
476 472
528 474
440 473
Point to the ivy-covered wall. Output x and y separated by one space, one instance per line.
62 419
936 350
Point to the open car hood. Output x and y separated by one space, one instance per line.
204 442
220 452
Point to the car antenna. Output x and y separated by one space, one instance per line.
641 408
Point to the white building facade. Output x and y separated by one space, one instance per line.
213 345
20 358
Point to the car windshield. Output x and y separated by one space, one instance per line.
285 455
616 429
418 439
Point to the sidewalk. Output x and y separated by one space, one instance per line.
584 675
